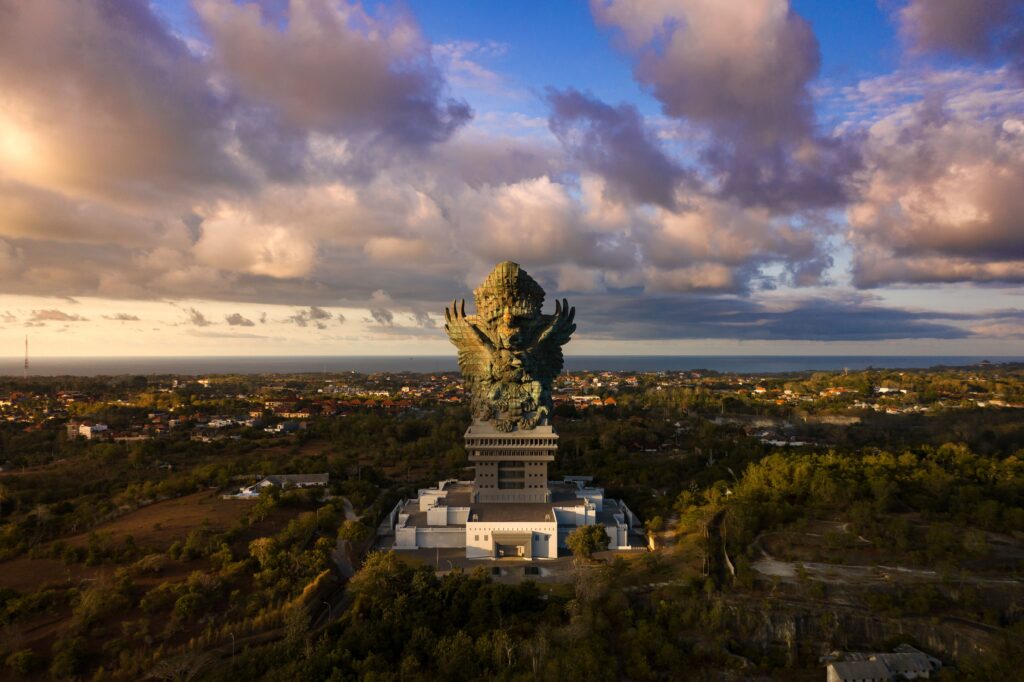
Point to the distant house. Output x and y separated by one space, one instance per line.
905 663
91 431
284 481
289 426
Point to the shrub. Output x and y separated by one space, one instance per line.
586 540
97 603
160 597
68 657
189 605
24 661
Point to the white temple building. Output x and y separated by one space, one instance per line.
445 516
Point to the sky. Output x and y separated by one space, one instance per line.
321 177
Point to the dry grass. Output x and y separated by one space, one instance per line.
154 527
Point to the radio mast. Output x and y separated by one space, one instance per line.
26 356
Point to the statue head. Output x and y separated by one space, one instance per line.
508 295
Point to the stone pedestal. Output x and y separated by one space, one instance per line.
510 466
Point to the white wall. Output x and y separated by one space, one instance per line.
437 516
544 543
405 538
457 516
429 538
575 516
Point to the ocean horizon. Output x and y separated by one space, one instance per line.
208 365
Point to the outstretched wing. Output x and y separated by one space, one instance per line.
475 348
555 333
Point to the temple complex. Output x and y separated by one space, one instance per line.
509 354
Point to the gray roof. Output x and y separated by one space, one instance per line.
861 670
298 479
905 662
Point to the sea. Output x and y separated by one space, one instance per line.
739 364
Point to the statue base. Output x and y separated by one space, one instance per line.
510 466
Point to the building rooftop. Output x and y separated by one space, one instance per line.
491 512
861 670
298 479
459 494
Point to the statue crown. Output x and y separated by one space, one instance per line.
508 287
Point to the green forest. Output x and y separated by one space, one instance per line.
122 560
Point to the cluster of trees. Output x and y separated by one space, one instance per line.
407 623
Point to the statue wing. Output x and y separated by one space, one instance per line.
555 333
560 326
475 347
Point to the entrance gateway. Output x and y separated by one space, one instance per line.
509 355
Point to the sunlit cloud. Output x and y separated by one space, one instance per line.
312 171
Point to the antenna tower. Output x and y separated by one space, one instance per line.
26 356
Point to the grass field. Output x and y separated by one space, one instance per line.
153 527
157 525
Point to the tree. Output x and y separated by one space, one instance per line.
353 531
23 662
586 540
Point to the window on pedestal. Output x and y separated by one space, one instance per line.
511 475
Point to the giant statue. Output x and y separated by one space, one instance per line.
509 352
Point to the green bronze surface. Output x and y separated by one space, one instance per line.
509 352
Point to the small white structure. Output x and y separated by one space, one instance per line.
91 431
283 481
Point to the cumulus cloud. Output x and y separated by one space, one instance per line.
55 316
312 315
122 317
981 29
282 217
238 320
941 199
718 245
234 239
614 142
331 66
137 119
196 318
382 316
311 154
741 71
316 313
805 318
424 319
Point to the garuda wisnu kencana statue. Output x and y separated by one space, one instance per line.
509 352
